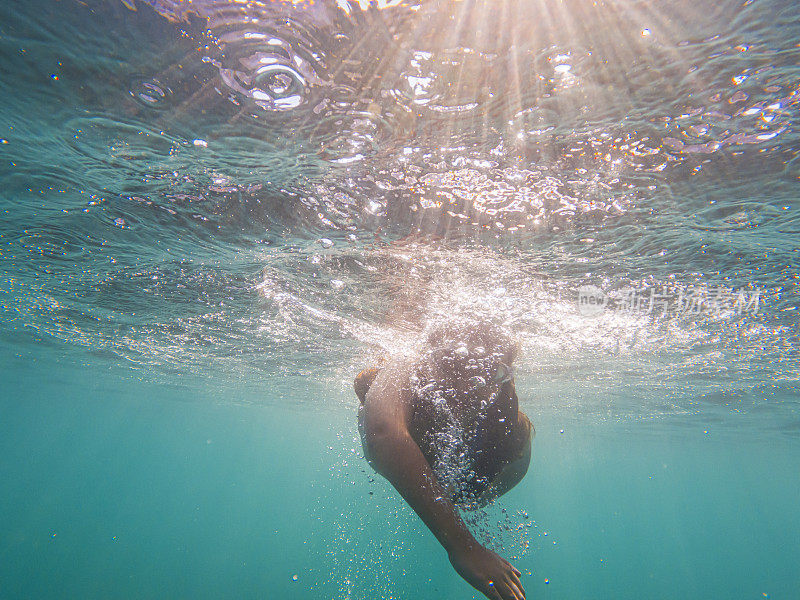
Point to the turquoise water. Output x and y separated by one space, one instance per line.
214 215
118 488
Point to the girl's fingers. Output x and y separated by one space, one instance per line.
494 594
515 585
511 591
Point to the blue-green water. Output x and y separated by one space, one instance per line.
115 488
212 217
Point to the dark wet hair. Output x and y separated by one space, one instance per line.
474 335
462 354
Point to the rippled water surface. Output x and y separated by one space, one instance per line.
257 194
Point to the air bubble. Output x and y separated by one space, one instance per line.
477 382
149 92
